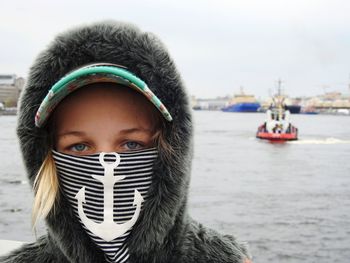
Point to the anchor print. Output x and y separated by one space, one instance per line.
108 230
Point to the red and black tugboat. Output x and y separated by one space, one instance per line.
277 126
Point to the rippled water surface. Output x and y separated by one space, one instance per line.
290 202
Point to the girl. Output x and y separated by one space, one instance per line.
106 135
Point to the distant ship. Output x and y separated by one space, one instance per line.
242 103
292 105
293 108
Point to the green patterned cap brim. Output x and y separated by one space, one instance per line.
93 74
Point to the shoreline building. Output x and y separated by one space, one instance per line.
10 89
209 104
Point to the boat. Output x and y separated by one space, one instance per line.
242 103
277 126
293 108
242 107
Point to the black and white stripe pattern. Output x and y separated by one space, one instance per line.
75 172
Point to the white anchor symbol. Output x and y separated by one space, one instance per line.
108 229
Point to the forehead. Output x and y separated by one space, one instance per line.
104 102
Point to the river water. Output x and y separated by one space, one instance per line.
290 202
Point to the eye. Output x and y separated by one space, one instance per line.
132 145
78 147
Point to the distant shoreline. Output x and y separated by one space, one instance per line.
8 112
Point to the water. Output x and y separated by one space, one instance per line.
290 202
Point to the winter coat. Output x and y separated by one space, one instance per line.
165 232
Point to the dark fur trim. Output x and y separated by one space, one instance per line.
164 232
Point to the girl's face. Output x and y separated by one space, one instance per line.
103 117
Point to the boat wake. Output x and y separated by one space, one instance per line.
321 141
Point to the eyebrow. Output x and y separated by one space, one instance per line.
132 130
75 133
125 131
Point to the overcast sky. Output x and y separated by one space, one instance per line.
218 45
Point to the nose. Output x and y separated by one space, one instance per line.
106 147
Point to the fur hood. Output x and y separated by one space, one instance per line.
164 232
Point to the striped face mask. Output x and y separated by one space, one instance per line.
106 192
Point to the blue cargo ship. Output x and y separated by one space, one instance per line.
242 107
294 109
242 103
